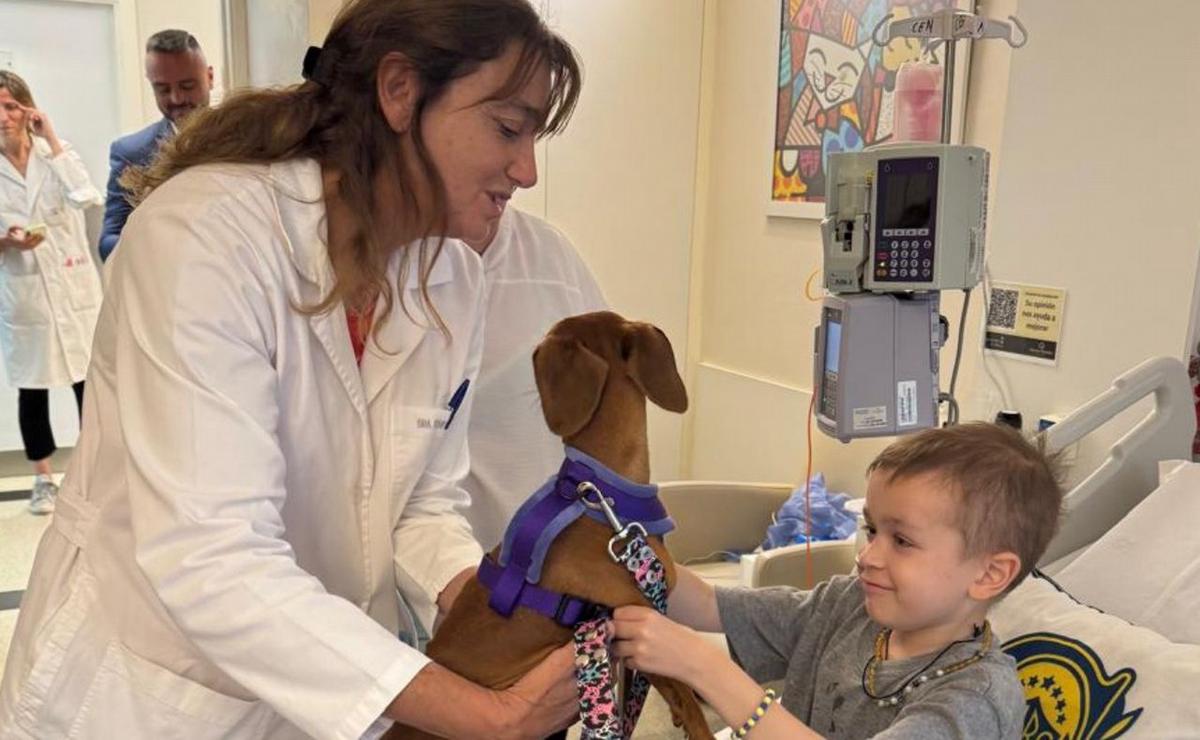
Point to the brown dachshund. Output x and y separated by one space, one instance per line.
594 373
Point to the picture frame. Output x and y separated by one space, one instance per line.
855 108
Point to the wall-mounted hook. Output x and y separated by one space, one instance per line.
1021 28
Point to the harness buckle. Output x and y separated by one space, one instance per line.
563 602
602 504
632 527
587 610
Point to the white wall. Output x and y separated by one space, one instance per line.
277 33
320 17
620 182
1098 193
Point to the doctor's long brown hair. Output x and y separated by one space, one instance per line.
338 121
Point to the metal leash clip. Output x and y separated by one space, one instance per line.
604 505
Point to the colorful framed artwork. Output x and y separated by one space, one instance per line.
836 89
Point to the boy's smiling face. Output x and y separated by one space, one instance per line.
914 570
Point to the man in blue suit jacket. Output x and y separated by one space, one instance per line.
182 81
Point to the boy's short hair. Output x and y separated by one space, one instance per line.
1008 487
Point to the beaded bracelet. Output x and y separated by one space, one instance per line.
768 699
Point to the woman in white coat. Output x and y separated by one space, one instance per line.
272 436
49 287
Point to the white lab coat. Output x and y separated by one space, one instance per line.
244 501
50 295
534 278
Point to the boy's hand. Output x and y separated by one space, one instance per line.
650 642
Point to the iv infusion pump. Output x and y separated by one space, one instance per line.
903 222
877 364
905 217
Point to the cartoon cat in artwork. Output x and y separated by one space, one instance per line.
834 69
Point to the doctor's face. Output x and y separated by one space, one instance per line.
483 148
12 117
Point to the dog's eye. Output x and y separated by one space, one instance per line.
626 347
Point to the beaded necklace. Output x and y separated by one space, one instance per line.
907 686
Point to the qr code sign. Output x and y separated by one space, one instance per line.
1002 313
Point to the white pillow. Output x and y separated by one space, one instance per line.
1146 569
1090 674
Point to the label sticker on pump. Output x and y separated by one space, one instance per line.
906 403
870 417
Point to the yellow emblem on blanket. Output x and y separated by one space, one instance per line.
1067 691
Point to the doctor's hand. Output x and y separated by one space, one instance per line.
18 238
652 643
546 699
39 124
445 704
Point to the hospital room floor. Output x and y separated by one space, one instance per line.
20 532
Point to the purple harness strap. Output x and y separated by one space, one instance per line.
515 559
567 611
544 516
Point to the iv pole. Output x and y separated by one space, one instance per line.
949 26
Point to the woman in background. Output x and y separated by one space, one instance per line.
49 287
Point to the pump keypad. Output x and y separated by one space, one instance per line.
904 255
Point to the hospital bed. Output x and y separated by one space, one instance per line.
1107 645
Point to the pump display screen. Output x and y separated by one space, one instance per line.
832 324
909 200
833 346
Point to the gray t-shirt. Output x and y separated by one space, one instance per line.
819 641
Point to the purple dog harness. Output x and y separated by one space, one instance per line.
584 487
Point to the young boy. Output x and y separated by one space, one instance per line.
956 518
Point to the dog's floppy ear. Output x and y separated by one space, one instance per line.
652 367
570 380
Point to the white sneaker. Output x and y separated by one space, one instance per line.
41 498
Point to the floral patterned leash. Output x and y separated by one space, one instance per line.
598 705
